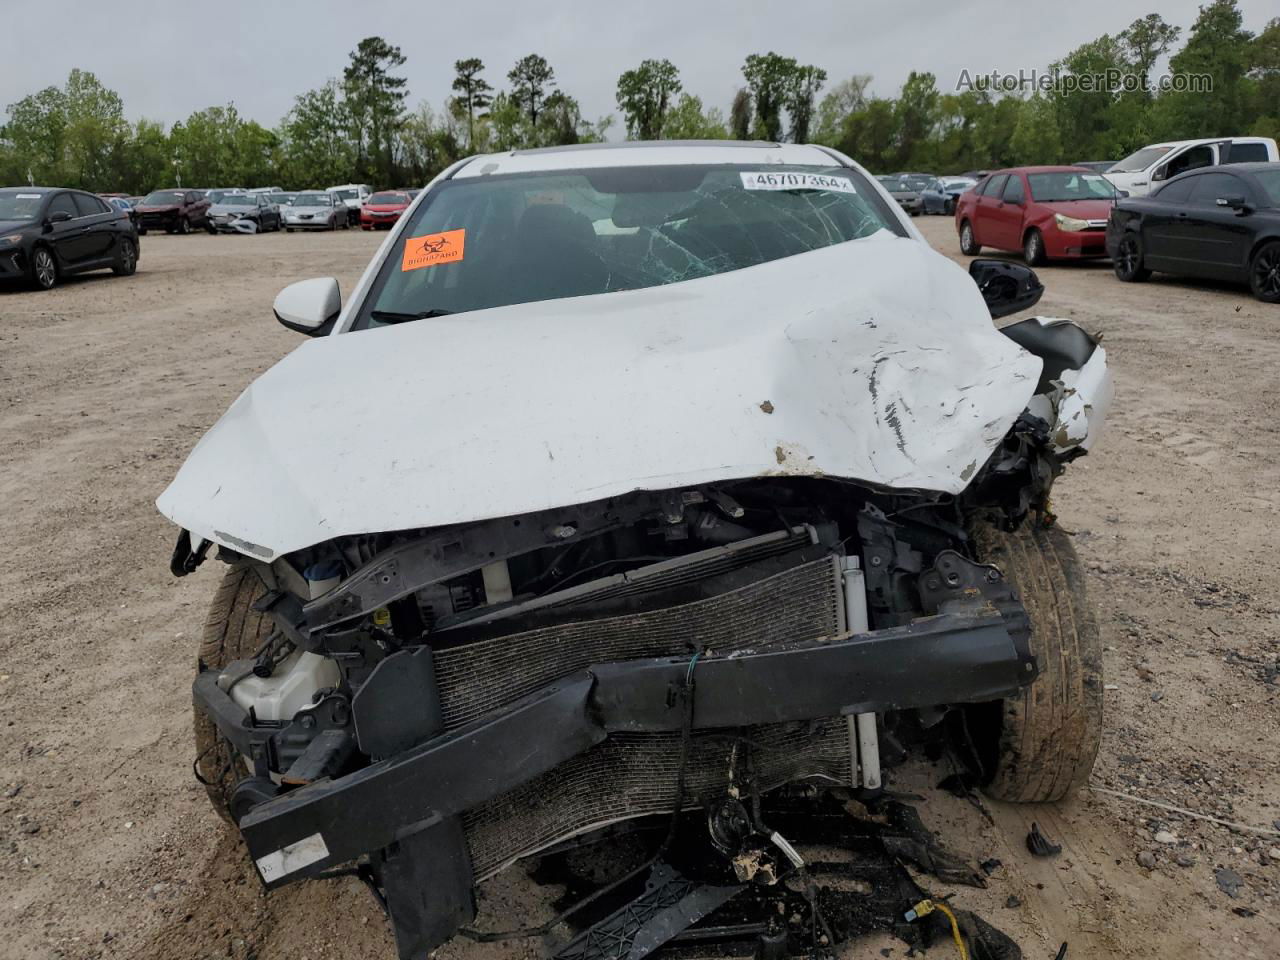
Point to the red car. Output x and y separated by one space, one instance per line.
384 209
1048 213
173 211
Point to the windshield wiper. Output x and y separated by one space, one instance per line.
391 316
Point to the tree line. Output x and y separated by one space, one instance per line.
360 128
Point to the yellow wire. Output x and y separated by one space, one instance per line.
955 931
925 907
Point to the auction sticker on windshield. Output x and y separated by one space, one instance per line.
433 249
789 180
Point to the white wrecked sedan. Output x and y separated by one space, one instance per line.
633 479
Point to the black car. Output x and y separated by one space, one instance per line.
1215 222
48 232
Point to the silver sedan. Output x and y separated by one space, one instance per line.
315 210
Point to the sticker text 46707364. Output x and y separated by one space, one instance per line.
793 180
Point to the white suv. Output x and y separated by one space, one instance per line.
354 195
1140 172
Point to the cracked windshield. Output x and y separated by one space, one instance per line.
492 241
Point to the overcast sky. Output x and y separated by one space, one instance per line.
168 58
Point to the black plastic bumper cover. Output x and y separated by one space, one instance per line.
965 654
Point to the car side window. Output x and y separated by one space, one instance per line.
1192 159
63 203
1244 152
1013 192
1178 191
995 186
1209 187
87 206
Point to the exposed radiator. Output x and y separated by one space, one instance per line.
771 598
633 775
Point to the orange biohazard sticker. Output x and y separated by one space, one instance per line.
433 249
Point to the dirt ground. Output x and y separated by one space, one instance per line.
108 847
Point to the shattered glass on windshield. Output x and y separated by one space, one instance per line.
553 235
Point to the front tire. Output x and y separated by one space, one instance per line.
233 630
1128 262
1264 273
44 269
1033 248
969 245
1040 745
184 226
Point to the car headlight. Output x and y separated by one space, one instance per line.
1070 224
12 238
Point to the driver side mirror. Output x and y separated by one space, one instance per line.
1238 204
1006 287
58 216
1160 173
309 306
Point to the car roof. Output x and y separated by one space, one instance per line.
1045 168
1183 143
645 153
1253 166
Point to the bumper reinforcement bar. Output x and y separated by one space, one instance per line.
964 654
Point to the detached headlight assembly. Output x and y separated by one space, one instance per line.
1070 224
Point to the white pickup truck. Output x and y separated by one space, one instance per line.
1143 170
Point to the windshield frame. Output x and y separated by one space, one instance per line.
1157 153
366 297
180 194
309 199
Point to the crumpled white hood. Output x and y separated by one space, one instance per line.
874 360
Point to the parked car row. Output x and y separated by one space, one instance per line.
1217 221
259 209
47 233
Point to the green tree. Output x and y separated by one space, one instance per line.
644 95
1145 41
95 131
867 135
204 147
318 146
1084 115
474 93
915 114
771 80
508 125
740 115
1035 137
375 101
530 79
844 98
1216 47
428 145
805 84
686 120
146 161
37 133
1264 74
